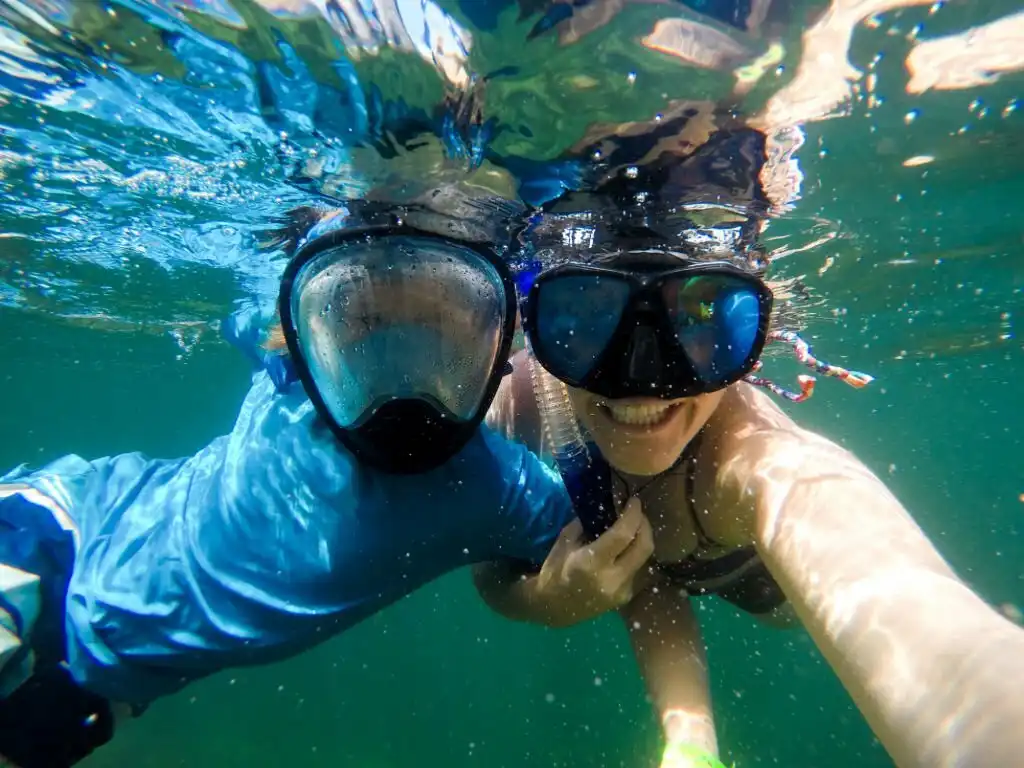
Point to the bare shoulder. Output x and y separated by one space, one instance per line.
750 439
740 426
747 409
748 423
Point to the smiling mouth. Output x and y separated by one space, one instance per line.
645 415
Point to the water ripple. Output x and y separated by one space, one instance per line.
146 147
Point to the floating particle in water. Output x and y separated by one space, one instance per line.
631 78
911 116
936 7
1021 498
632 172
549 698
916 160
974 105
1010 108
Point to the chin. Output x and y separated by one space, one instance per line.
643 435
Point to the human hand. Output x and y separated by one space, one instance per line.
582 579
678 755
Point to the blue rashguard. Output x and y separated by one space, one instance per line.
269 540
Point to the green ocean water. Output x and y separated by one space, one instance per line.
925 292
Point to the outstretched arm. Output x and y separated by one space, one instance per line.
875 595
669 649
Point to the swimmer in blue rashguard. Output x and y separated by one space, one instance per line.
357 471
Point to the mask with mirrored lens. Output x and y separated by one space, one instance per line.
624 331
579 314
716 320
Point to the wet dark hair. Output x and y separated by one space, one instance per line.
294 224
287 235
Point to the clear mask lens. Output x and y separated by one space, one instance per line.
395 317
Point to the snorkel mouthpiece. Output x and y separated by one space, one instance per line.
584 471
407 436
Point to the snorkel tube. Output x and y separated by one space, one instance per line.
584 471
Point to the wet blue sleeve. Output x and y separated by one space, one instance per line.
237 555
246 330
536 508
270 540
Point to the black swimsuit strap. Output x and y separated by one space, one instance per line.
690 454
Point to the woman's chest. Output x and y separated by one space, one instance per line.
684 521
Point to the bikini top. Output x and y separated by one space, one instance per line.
699 573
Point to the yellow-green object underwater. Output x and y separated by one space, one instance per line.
688 756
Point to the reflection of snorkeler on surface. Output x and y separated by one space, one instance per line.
737 499
125 578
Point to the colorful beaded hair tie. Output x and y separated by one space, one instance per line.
802 350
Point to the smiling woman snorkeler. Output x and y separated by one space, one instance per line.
727 495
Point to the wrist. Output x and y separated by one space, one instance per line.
687 728
549 606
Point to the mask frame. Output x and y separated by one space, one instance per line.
676 377
405 436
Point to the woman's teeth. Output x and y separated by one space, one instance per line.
646 415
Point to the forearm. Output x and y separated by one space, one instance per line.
915 648
669 650
513 593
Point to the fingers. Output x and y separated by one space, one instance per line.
620 554
571 537
568 541
626 575
639 550
613 542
